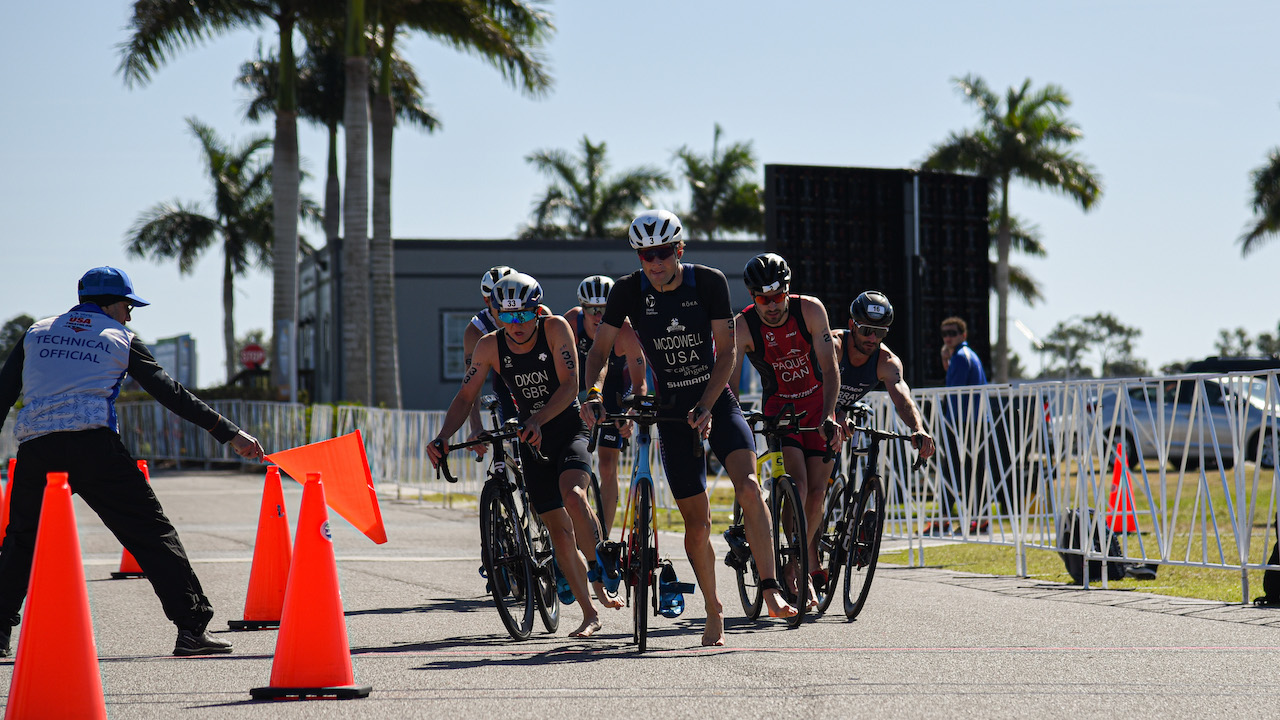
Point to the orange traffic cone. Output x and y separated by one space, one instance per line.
129 567
1120 514
313 657
57 676
272 552
5 498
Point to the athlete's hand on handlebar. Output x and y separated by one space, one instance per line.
591 412
834 434
531 432
700 420
923 444
437 449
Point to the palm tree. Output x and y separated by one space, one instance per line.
722 195
357 379
1266 205
506 33
582 202
160 27
241 221
1025 239
1025 138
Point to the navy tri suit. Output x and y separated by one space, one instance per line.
675 333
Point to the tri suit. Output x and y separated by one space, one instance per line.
532 377
675 332
789 372
856 382
617 381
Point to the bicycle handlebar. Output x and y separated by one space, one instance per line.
878 435
787 422
640 409
511 429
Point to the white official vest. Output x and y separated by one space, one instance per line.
71 373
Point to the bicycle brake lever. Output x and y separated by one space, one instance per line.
443 465
919 462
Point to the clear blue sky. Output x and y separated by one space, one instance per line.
1178 101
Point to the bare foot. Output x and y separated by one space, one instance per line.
778 606
605 599
713 634
813 596
589 627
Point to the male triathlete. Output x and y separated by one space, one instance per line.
625 375
534 355
788 340
681 313
865 361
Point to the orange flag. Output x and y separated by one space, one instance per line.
347 482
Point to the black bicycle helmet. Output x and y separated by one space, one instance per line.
872 308
766 273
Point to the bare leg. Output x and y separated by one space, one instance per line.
574 567
608 488
812 484
696 512
586 527
741 465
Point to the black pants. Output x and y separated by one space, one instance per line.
101 471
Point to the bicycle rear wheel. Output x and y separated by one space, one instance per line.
866 527
506 562
544 576
830 544
748 575
790 546
642 562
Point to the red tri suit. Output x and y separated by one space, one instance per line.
789 371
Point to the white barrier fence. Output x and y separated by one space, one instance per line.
1197 485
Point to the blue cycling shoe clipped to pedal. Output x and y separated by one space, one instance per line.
671 592
609 559
593 572
562 586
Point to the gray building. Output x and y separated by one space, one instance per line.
438 292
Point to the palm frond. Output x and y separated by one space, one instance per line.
160 28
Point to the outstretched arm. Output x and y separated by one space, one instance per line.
890 372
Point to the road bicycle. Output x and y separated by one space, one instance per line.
789 529
515 546
640 565
853 520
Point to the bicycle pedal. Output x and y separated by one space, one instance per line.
732 560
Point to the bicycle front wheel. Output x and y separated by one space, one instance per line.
544 574
790 546
866 526
830 544
747 573
506 562
641 554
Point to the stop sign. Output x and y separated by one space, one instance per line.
253 356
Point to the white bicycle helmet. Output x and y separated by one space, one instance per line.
492 276
652 229
516 291
594 290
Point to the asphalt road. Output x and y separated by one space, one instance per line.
425 636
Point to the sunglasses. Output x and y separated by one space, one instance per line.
950 333
872 331
519 316
593 309
656 254
777 297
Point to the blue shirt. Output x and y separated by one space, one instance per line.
965 368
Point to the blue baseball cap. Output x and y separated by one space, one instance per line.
107 280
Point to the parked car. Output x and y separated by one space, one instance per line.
1211 433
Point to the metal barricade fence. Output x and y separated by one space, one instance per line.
1196 484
